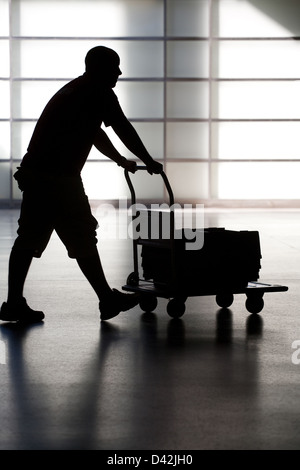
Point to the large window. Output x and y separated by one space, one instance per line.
212 87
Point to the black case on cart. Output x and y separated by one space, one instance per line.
227 259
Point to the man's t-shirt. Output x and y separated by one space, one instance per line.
65 131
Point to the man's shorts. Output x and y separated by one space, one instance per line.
52 203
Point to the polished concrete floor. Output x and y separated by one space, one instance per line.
216 379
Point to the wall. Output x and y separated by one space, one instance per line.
212 86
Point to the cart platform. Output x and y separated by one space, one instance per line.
176 306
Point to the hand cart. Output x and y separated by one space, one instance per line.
175 289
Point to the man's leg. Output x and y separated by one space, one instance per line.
111 301
19 264
92 269
76 227
16 308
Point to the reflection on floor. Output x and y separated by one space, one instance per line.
213 379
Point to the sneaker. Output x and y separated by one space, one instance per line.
20 312
116 303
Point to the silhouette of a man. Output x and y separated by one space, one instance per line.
53 193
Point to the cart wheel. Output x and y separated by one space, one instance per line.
224 300
176 308
254 304
148 303
133 279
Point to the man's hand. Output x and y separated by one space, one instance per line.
154 167
128 165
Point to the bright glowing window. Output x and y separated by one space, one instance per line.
188 18
4 54
30 97
188 58
141 99
256 140
257 100
257 18
257 59
4 180
4 100
77 18
274 180
4 17
4 140
22 132
190 180
187 140
187 100
43 58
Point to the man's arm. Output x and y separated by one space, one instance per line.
130 138
105 146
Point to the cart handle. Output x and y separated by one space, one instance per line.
165 180
172 217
